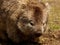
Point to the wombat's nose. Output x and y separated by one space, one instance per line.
38 34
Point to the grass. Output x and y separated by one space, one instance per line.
54 15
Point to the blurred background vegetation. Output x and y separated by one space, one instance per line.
54 15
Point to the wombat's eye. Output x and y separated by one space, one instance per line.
31 22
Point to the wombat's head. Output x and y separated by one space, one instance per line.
25 20
31 18
30 21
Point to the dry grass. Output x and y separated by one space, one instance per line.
54 15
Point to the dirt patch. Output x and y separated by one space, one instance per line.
50 38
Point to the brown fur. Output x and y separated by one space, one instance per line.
21 20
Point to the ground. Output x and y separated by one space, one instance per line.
52 37
54 15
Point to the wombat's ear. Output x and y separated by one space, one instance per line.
48 7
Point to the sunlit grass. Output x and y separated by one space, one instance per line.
54 17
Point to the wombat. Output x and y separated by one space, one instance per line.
22 20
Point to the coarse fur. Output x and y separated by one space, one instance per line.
22 20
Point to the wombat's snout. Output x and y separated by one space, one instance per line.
38 34
35 31
28 27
